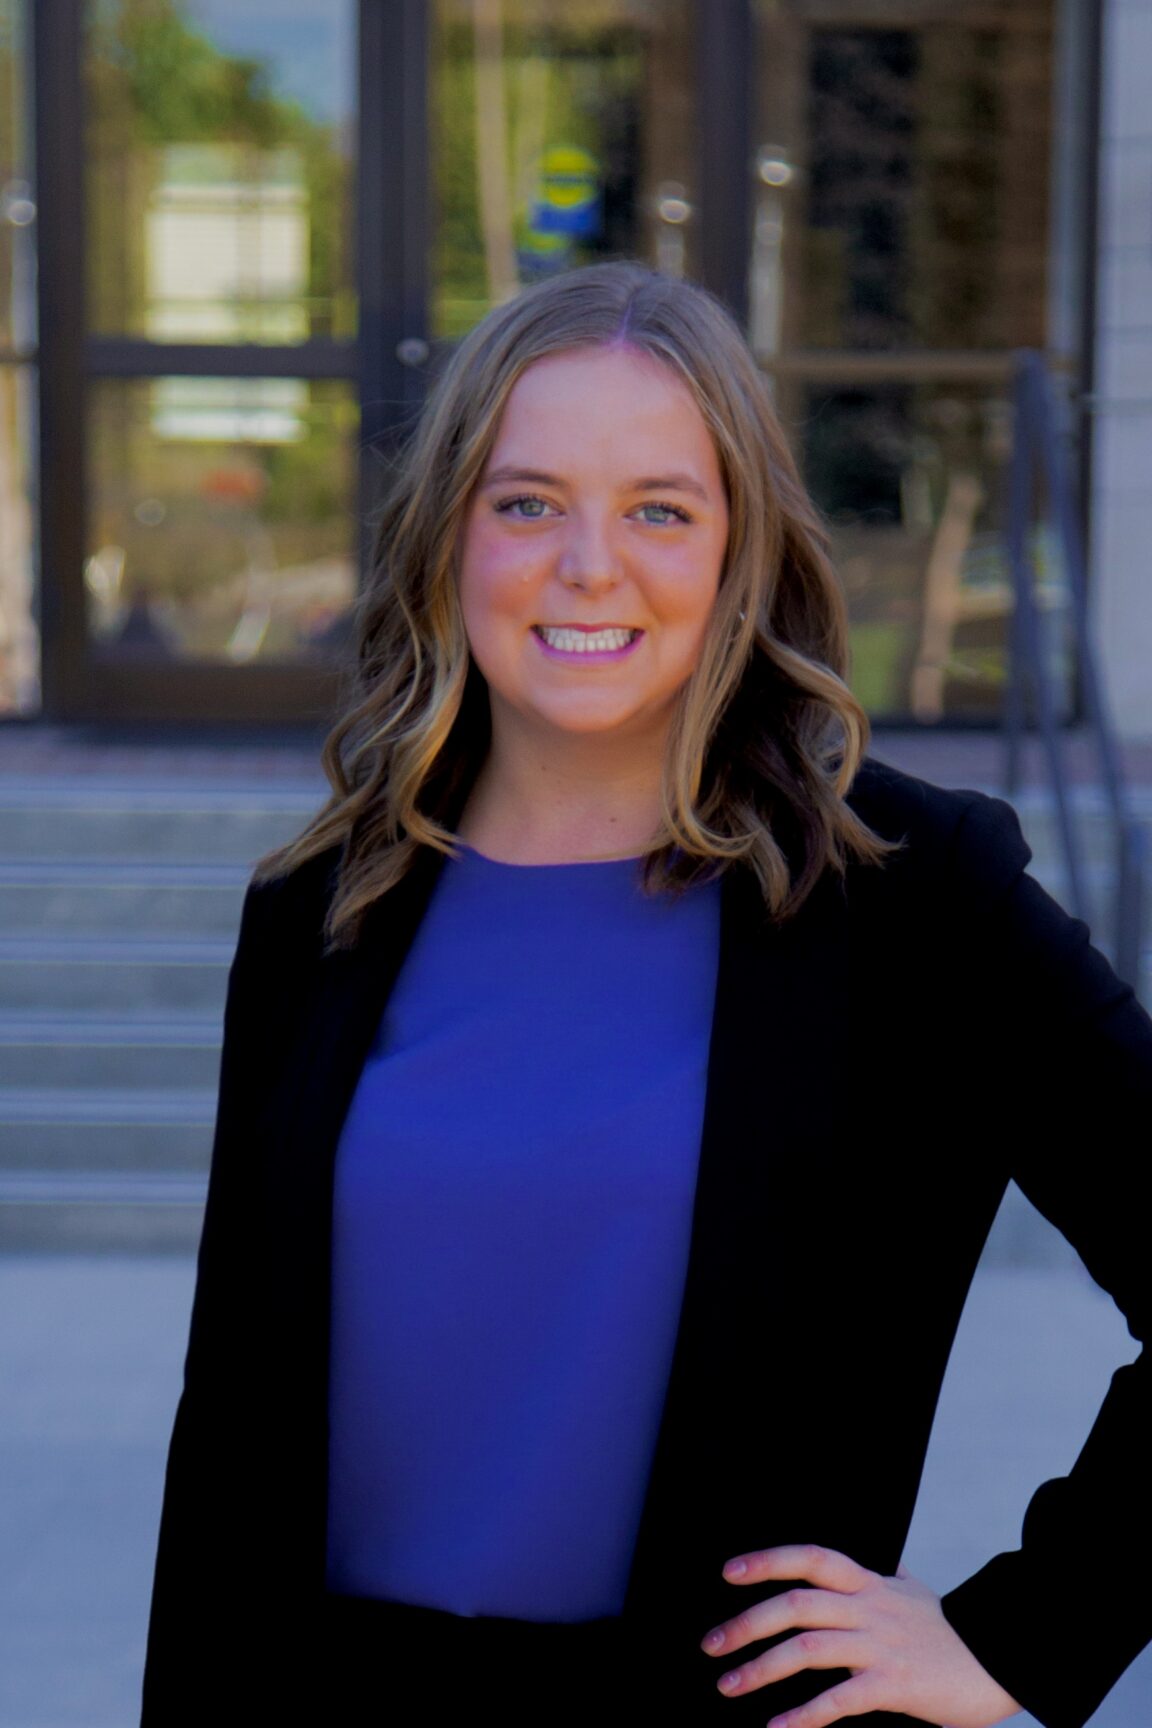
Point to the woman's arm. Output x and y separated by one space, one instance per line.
202 1596
1059 1619
1066 1090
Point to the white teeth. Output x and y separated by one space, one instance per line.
585 641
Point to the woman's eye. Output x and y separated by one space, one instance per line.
526 509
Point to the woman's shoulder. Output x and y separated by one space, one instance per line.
960 830
291 907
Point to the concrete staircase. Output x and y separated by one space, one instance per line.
119 903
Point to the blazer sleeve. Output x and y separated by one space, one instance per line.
201 1600
1057 1620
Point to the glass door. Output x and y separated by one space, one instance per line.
264 221
901 251
564 133
210 572
270 221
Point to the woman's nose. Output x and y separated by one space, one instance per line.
589 559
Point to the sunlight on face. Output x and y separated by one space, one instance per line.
593 547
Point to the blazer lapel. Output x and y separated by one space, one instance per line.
321 1075
334 1039
773 1107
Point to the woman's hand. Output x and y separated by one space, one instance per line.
891 1632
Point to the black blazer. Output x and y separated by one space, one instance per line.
880 1066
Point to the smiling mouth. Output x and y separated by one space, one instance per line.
574 639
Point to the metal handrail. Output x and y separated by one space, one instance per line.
1039 456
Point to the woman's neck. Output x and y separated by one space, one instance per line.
580 800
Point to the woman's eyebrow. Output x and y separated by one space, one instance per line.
646 483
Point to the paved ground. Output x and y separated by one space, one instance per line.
158 753
90 1354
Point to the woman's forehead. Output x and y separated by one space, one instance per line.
606 396
596 365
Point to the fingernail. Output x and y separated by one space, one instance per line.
729 1681
714 1641
736 1568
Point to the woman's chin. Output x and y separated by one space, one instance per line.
602 724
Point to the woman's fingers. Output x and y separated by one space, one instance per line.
824 1649
851 1698
823 1566
890 1632
827 1608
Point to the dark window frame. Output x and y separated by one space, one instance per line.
391 232
386 360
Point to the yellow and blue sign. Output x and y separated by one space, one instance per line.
566 208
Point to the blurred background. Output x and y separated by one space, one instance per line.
237 238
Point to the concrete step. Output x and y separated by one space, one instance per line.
78 1211
119 905
180 1149
76 1128
44 1050
127 823
53 897
73 974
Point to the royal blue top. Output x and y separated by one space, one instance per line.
512 1212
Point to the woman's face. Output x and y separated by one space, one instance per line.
593 547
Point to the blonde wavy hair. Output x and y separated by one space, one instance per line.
766 737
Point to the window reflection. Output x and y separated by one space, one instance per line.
912 479
900 195
17 196
903 185
222 518
19 637
564 134
226 246
219 148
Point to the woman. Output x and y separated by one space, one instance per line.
595 1195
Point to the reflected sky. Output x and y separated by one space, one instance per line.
308 44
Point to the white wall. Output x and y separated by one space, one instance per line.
1122 486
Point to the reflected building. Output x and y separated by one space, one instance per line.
260 225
